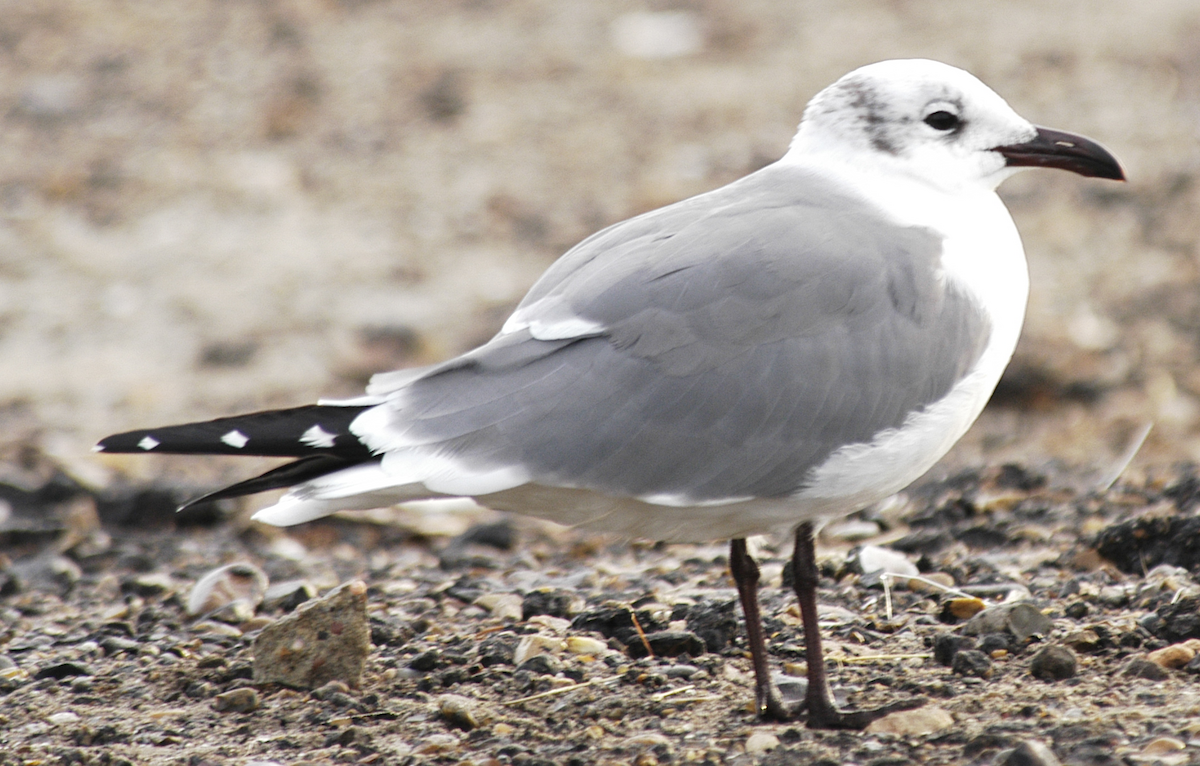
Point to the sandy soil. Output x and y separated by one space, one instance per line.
211 207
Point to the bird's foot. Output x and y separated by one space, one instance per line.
822 714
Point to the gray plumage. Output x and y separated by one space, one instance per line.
733 342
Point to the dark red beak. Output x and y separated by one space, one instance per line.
1067 151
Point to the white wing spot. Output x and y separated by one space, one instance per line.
317 437
148 443
235 439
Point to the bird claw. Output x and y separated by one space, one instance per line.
826 716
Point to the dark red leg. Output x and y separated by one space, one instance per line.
822 714
767 702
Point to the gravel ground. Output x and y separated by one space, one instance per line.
211 207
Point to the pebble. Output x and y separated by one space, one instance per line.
938 578
551 601
533 645
1083 640
459 711
668 643
1163 746
233 591
502 606
288 595
1053 663
1172 657
1029 753
323 640
946 645
761 742
242 700
1143 668
1021 620
912 723
585 645
63 717
869 559
963 608
972 662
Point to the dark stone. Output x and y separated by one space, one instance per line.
1053 663
716 623
616 622
1078 610
946 645
61 670
1178 621
541 664
972 662
1028 753
1140 544
499 535
556 603
425 661
993 642
1193 666
1143 668
466 589
498 650
668 643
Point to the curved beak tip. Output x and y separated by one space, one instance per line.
1066 151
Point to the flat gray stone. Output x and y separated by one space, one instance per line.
322 641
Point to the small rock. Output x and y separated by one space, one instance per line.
1077 610
233 591
668 643
913 723
241 700
1053 663
1029 753
556 603
425 661
61 670
1083 641
323 640
1143 668
503 606
1172 657
532 645
63 717
288 595
972 662
940 581
961 609
585 645
1021 620
761 742
542 665
715 622
498 650
1114 596
946 645
458 711
869 559
1163 746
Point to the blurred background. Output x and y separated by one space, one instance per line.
209 206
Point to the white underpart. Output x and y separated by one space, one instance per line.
235 439
317 437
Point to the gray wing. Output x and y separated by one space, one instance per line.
718 348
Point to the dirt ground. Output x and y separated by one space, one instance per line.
213 207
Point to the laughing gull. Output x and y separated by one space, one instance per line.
778 352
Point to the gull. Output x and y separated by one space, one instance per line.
781 351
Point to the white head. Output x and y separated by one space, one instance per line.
921 118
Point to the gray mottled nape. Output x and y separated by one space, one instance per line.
747 334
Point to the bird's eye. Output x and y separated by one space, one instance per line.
942 120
